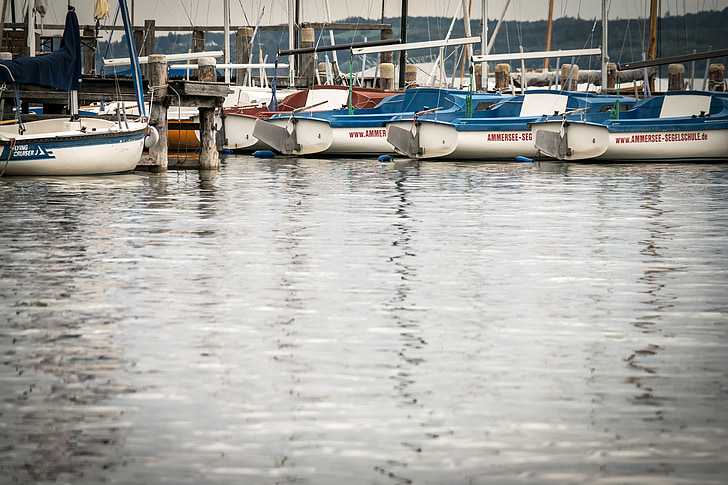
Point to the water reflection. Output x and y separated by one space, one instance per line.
354 322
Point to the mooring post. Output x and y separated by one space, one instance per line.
478 73
88 50
502 76
569 77
612 75
410 75
386 75
209 158
307 62
716 77
157 69
675 77
242 51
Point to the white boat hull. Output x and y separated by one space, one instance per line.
239 133
588 141
440 140
41 151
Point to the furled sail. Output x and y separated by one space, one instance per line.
58 70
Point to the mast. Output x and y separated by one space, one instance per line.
549 32
483 44
466 48
31 29
652 49
403 36
135 69
605 38
226 12
291 43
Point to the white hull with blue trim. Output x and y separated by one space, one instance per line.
683 126
87 146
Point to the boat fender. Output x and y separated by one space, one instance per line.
263 154
385 158
522 159
151 137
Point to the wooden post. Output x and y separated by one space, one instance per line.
612 75
198 40
243 37
549 32
410 75
157 69
502 76
88 50
386 57
209 158
716 77
307 62
652 47
386 76
149 37
478 72
675 77
569 77
138 34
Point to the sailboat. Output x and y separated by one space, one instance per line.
678 126
500 132
75 145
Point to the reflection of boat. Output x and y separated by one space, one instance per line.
240 122
690 125
75 146
500 132
363 131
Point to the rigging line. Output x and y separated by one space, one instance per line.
187 13
245 16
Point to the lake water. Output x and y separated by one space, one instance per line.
346 321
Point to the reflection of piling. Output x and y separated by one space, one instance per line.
569 77
716 77
157 69
502 76
675 77
242 51
209 158
386 75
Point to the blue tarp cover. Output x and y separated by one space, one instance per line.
58 70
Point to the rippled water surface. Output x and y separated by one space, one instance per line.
331 322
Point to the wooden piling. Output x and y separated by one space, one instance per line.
243 38
198 40
716 77
502 76
675 77
209 158
386 57
386 75
410 74
612 75
478 73
569 77
88 50
157 68
307 62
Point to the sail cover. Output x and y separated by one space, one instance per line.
58 70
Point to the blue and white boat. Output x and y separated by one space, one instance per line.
75 145
677 126
362 131
500 132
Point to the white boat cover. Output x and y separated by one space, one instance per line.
685 105
537 104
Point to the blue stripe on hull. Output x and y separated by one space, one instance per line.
42 148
